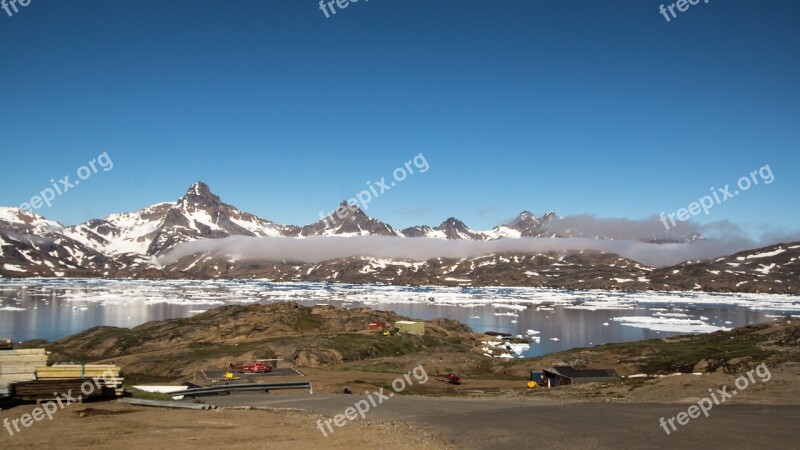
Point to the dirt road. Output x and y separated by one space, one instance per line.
521 423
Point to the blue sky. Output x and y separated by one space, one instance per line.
573 106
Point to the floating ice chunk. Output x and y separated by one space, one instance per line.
669 324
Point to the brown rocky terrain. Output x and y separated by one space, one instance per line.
333 351
333 345
320 336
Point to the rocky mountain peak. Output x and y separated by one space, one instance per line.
524 220
351 211
452 222
201 189
346 220
199 195
456 229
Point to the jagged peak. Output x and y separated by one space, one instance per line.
199 191
349 210
451 221
526 214
199 188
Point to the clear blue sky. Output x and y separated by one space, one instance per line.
574 106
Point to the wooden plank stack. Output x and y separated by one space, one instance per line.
62 377
26 375
77 371
19 365
74 388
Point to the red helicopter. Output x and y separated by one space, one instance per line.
253 367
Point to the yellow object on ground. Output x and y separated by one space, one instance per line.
77 371
532 384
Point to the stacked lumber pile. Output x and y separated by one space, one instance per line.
104 380
77 371
19 365
75 389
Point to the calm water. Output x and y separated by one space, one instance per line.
556 319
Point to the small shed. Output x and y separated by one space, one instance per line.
564 375
407 326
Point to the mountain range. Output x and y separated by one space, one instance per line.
130 244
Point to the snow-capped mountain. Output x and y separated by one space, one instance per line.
129 244
19 221
451 228
526 224
159 228
32 245
349 220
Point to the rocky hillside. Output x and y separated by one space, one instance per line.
773 269
305 336
330 337
723 351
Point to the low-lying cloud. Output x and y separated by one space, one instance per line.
322 248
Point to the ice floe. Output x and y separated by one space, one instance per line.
668 324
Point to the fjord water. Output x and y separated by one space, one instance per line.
555 320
